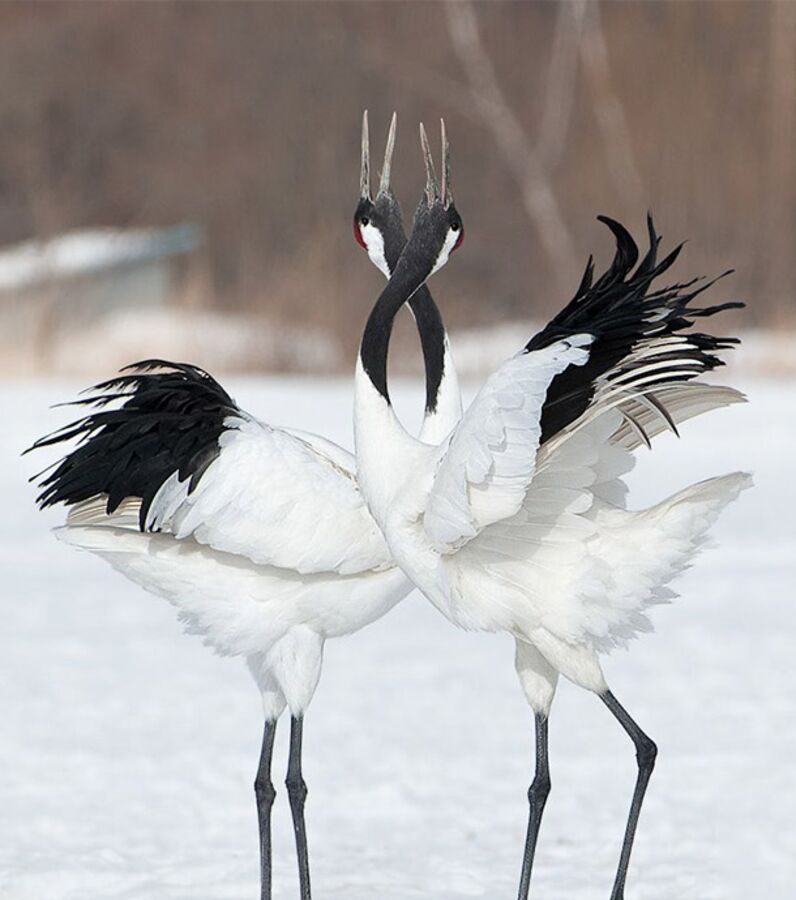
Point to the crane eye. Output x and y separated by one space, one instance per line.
456 227
364 221
358 234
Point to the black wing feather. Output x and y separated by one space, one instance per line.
623 314
165 421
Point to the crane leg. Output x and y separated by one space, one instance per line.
265 794
537 797
297 793
646 751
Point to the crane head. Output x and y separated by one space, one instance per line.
438 228
378 223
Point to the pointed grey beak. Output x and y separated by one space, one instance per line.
447 190
432 185
364 172
384 181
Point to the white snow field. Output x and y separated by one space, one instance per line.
128 750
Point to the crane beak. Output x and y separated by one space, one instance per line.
432 185
364 171
447 190
384 181
433 192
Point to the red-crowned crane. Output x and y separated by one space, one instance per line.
517 522
259 535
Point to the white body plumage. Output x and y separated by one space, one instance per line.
277 620
273 552
501 535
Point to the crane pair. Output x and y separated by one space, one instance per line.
510 517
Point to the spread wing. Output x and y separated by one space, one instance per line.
170 451
643 347
485 470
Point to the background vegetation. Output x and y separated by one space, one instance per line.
244 118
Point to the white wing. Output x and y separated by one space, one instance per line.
573 565
484 472
275 497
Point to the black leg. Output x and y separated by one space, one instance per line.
265 793
646 751
297 792
537 797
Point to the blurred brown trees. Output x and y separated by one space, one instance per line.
244 117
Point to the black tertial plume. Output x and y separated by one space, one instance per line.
163 421
637 330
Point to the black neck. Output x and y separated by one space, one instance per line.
427 319
408 276
432 339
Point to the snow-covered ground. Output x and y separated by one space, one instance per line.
127 750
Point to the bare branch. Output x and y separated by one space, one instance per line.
561 80
781 169
608 109
519 157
